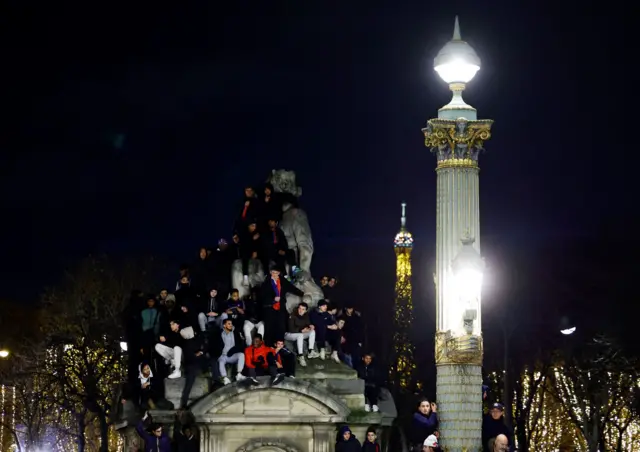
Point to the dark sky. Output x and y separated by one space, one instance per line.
209 98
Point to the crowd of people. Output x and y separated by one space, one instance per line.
201 326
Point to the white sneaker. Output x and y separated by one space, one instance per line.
313 354
302 361
323 354
240 377
375 408
367 407
334 356
226 381
245 280
175 374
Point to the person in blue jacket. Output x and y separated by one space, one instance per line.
156 441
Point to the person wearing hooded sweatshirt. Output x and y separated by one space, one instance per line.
347 441
156 441
211 311
424 423
368 372
229 349
150 390
252 247
371 443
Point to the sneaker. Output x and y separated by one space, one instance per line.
335 357
323 354
291 376
175 374
240 377
302 361
245 280
375 408
277 379
313 354
226 381
367 407
254 381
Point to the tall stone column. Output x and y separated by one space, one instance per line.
324 438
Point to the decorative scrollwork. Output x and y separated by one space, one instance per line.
457 143
458 350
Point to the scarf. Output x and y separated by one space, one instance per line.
275 237
244 211
275 284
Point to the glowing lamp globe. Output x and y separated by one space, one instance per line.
468 270
4 353
124 346
457 61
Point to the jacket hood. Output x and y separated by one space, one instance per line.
344 429
140 375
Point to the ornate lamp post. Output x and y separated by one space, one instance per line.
456 138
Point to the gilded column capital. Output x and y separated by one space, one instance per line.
458 142
466 349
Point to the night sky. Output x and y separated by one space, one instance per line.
134 131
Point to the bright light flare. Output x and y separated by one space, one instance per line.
4 354
469 282
457 71
568 331
124 346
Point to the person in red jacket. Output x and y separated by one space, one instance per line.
259 358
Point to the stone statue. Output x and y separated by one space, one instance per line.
295 226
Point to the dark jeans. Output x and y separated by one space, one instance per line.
260 369
192 370
146 395
323 334
288 364
371 394
288 258
274 323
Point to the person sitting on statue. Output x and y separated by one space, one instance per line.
299 329
183 271
493 425
326 330
228 349
424 423
251 248
235 309
150 319
274 304
368 372
253 318
156 441
150 390
271 203
330 290
189 315
185 293
211 311
202 273
170 348
262 360
276 248
285 359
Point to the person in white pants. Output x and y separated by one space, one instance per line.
170 348
248 329
300 328
231 351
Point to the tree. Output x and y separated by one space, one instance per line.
83 329
594 387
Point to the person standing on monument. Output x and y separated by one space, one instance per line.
271 203
250 210
274 304
251 248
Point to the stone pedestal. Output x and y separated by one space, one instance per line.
173 390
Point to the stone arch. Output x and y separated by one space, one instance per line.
290 400
275 445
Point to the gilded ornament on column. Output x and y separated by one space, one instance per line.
465 349
457 143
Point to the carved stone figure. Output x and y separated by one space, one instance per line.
295 226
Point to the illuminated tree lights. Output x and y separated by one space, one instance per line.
403 368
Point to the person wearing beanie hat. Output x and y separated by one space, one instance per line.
347 441
430 444
371 443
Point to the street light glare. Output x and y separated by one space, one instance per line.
4 353
124 346
457 71
469 282
568 331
